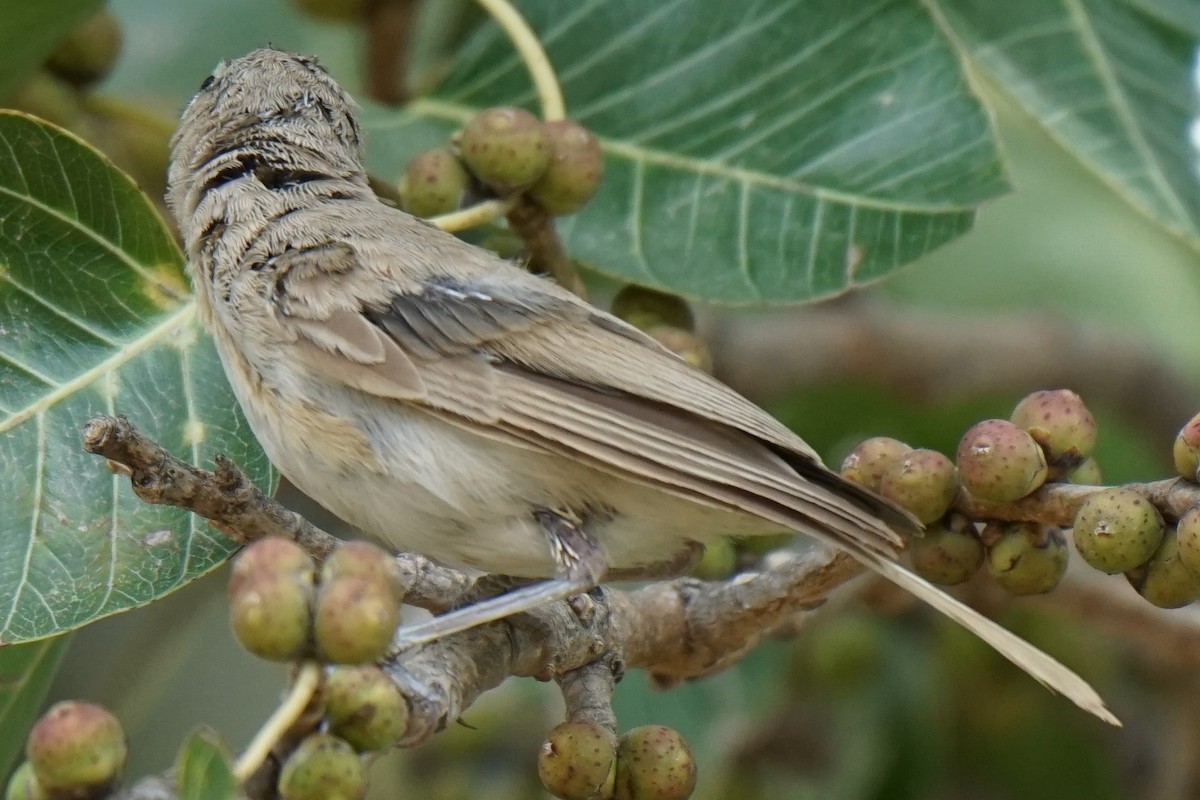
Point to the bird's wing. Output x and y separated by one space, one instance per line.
511 356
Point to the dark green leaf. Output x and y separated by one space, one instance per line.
204 770
1181 14
763 152
29 31
1111 80
95 318
25 674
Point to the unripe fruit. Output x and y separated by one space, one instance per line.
323 767
1060 422
646 308
923 481
1087 474
654 763
76 745
867 463
1164 580
576 166
506 148
364 707
1117 530
999 463
24 785
355 621
578 761
948 553
333 10
272 555
718 561
433 183
360 559
89 51
1187 449
1188 535
1025 557
272 616
684 344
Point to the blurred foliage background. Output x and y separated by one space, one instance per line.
875 699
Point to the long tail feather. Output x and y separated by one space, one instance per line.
1047 671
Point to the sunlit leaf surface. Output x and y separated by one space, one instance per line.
95 317
1111 80
756 152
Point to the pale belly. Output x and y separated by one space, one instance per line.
467 500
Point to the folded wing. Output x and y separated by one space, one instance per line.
512 356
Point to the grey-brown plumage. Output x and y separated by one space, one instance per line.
450 403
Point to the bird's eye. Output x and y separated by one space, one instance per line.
207 83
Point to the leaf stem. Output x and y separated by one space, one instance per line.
473 216
545 82
307 680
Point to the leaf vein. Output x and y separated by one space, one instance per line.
751 85
112 247
690 61
800 112
1095 53
156 335
691 164
9 358
7 277
743 234
39 474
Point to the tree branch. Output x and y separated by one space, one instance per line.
535 227
675 630
234 506
389 29
1058 503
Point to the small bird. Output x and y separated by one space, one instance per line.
450 403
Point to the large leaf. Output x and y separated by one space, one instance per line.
1182 14
1111 80
25 674
764 151
94 318
29 31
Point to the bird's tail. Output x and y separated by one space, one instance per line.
1047 671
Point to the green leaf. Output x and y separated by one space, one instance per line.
204 770
31 30
1181 14
95 318
25 674
1110 80
761 152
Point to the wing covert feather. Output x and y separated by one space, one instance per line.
520 352
507 314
